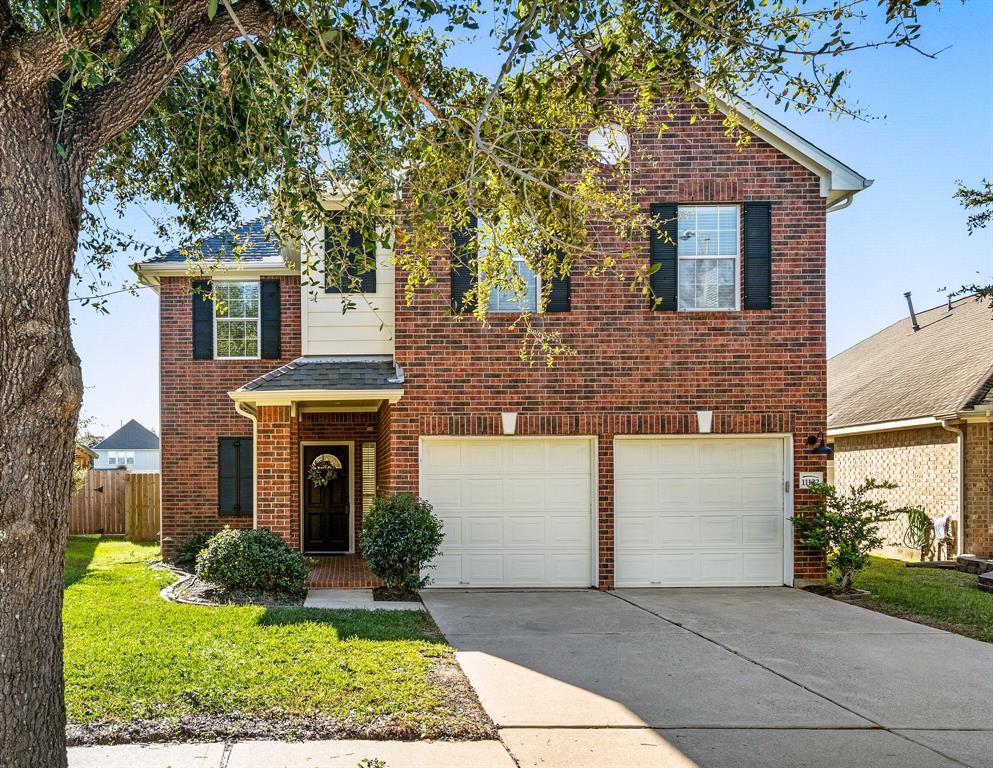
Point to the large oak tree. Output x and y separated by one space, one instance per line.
212 105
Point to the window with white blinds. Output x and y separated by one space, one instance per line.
368 476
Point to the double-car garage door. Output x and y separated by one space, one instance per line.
689 511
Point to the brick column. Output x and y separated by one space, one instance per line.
277 501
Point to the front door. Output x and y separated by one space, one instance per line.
325 508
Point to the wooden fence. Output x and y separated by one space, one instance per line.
116 502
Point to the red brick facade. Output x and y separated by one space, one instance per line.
195 410
634 371
638 371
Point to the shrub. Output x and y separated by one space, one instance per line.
255 559
400 535
186 553
846 525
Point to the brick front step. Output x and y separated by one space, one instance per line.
342 572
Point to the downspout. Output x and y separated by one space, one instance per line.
960 513
242 410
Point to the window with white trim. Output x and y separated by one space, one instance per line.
120 458
708 251
236 319
507 299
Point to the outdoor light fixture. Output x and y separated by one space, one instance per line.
509 419
822 449
704 421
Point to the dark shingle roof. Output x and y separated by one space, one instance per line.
944 367
248 243
329 373
132 436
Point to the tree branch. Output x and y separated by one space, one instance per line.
38 57
104 113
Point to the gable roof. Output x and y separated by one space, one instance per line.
250 248
132 436
944 368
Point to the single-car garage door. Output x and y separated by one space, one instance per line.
517 511
698 511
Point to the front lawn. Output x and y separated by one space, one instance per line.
138 667
943 598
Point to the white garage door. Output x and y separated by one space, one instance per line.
517 511
698 511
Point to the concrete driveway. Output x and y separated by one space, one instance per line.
718 677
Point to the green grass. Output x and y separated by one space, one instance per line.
129 654
945 598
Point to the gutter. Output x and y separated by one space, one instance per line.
243 409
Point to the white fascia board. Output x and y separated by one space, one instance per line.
884 426
838 181
291 396
149 274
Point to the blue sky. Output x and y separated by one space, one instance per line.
905 233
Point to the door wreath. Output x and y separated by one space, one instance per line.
324 469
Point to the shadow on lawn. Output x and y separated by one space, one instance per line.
359 624
79 554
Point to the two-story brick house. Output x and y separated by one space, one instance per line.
595 472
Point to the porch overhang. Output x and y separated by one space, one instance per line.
325 384
313 399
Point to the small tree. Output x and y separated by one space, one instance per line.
400 535
846 525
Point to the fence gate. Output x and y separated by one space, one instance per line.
116 502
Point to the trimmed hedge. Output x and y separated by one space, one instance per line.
255 559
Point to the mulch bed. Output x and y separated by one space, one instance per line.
189 589
836 592
395 595
465 721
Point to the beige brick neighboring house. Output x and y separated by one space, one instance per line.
914 406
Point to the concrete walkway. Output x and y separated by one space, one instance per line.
360 599
715 677
307 754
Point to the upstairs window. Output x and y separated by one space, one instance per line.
507 299
349 259
707 244
120 458
236 320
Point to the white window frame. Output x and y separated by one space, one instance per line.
258 325
120 458
737 258
518 258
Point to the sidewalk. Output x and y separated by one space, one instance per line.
307 754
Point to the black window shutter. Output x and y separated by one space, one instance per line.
363 253
360 253
464 263
235 461
203 321
559 294
269 307
663 252
758 255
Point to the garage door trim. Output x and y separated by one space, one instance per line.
787 474
594 445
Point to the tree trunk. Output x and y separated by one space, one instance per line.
40 393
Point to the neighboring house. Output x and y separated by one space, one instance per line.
606 479
132 446
83 457
913 405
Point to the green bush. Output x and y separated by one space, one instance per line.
186 553
400 535
255 559
846 525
